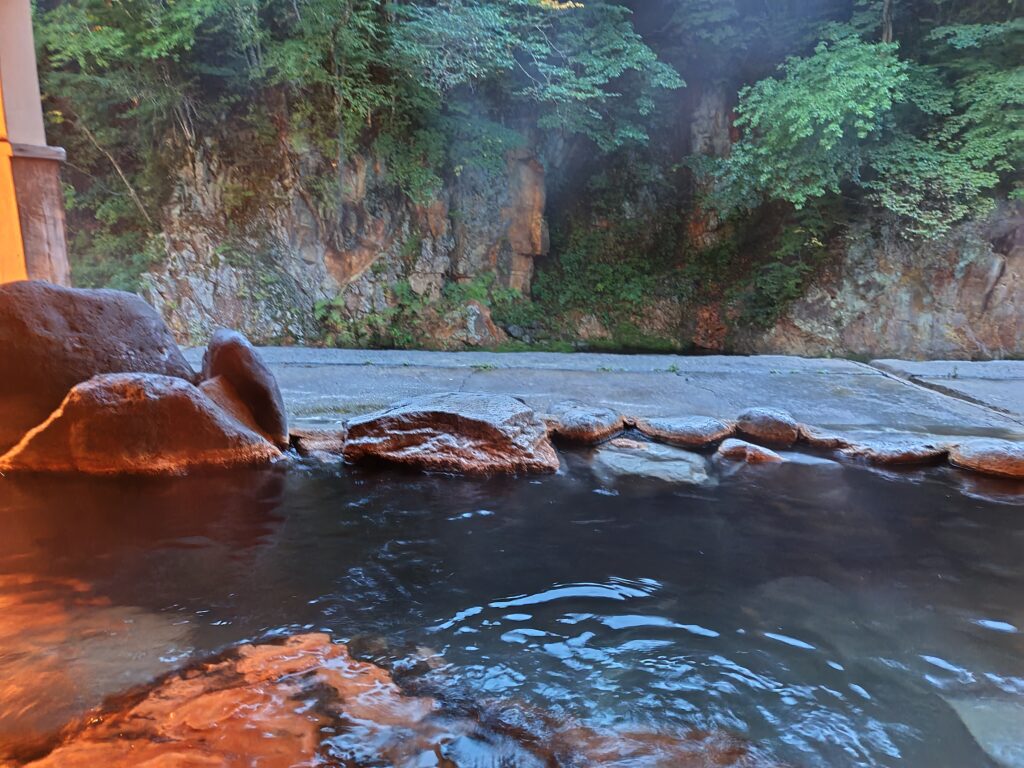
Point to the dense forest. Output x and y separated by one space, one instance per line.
694 152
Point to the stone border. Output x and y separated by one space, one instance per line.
760 428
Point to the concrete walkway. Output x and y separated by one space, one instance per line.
326 385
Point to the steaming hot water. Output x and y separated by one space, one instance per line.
830 615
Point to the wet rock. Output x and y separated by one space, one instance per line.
996 724
769 426
104 647
897 449
467 432
232 358
687 431
741 450
1004 458
822 439
581 423
307 701
137 423
319 443
245 709
631 458
54 338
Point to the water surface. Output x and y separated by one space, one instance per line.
832 615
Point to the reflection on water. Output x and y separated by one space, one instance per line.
829 614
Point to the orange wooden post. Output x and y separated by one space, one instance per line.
12 247
32 239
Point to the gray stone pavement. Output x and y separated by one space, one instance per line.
327 385
996 383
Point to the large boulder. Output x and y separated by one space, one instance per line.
52 338
455 432
137 423
1003 458
230 357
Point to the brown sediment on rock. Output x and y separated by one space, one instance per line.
588 424
687 431
472 433
231 357
313 441
307 701
137 423
989 456
54 338
741 450
897 449
822 439
768 425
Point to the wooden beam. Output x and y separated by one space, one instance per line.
12 248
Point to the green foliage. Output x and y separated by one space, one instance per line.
407 320
429 87
806 132
780 280
598 272
928 143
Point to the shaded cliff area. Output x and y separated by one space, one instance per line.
819 177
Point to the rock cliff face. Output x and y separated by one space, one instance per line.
265 275
959 298
262 261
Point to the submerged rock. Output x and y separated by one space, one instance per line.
104 647
467 432
996 724
137 423
687 431
990 456
769 426
897 449
53 338
741 450
632 458
231 357
585 423
307 701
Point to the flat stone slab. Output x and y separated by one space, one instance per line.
625 458
998 384
325 386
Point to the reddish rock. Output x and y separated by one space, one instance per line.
324 443
467 432
137 423
53 338
687 431
584 423
1004 458
230 356
822 439
741 450
279 705
769 426
897 449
